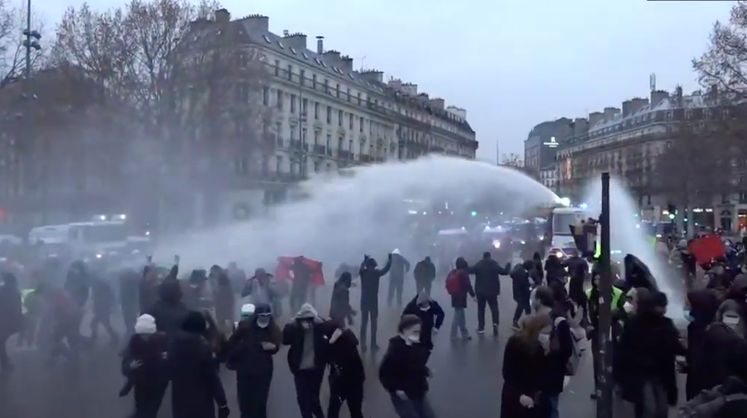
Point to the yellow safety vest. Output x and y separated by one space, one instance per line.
616 294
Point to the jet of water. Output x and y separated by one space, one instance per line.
627 237
344 217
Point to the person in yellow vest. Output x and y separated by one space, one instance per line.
592 296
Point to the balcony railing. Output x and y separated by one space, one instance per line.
319 149
345 155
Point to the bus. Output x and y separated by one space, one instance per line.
83 239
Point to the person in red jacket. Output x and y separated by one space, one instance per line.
459 287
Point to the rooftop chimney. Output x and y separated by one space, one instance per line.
347 63
437 103
320 45
611 112
295 40
257 23
332 56
657 96
594 118
372 76
222 16
627 107
638 103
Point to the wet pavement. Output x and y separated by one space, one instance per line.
467 378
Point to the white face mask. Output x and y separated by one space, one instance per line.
411 338
425 308
306 324
263 322
628 307
730 321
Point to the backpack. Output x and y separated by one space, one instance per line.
454 283
571 365
710 403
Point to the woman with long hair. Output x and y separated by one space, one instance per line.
523 367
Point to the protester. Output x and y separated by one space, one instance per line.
148 292
129 282
346 374
370 278
11 316
340 310
403 371
487 288
225 301
307 358
399 267
302 286
250 353
459 287
196 387
259 290
103 305
425 274
144 367
431 318
524 364
169 310
522 290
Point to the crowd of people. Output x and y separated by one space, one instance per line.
182 331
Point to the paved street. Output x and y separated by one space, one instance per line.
467 378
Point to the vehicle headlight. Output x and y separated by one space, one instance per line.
523 242
559 254
99 255
496 244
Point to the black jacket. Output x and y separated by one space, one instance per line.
78 283
403 367
11 310
648 346
168 316
523 370
293 336
432 318
340 309
520 283
147 295
346 362
370 277
151 353
561 349
196 387
244 349
425 271
487 277
400 266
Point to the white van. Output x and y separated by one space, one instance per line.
84 239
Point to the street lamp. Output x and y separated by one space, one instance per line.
31 43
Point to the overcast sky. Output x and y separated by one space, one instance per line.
511 64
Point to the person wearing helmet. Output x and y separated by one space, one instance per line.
250 352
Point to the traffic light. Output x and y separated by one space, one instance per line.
474 213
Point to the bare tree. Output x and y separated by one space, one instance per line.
12 51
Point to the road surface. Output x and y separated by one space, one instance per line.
467 378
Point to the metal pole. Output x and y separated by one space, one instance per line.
28 39
604 391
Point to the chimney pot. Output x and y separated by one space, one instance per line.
222 16
320 45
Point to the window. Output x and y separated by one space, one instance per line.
339 117
316 110
351 121
279 164
293 103
359 99
277 68
267 39
329 142
304 107
293 50
329 114
304 135
329 166
279 101
350 147
360 125
304 55
302 77
313 81
348 98
280 44
317 137
290 72
266 96
316 166
337 90
326 86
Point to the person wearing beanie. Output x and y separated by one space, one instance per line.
431 316
196 387
307 358
144 367
169 311
250 353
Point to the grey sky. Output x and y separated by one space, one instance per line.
511 64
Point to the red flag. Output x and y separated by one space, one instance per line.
706 249
285 266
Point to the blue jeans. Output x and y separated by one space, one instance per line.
412 408
459 322
552 406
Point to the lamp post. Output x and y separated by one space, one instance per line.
604 391
30 43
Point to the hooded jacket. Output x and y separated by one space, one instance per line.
169 311
520 283
344 356
340 309
399 266
703 306
488 276
432 318
77 283
245 352
294 334
403 367
11 306
370 277
459 300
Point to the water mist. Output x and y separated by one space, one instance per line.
627 237
344 217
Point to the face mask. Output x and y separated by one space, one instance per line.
730 321
425 308
263 322
412 338
688 317
306 324
628 307
544 339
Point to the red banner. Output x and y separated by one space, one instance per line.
285 266
706 249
